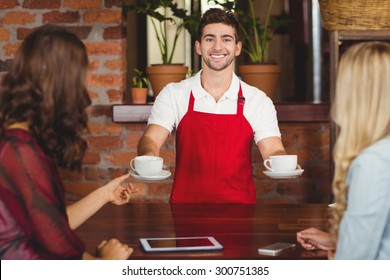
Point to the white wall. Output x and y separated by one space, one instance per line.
183 47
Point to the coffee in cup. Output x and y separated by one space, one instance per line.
281 163
147 165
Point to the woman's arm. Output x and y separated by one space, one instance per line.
114 192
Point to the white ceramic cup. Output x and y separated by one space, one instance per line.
281 163
147 165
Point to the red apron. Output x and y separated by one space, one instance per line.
213 158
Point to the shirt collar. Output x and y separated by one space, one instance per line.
199 92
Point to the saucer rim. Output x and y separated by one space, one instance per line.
284 174
164 174
296 171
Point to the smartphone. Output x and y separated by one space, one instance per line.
275 248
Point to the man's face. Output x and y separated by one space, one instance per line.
218 46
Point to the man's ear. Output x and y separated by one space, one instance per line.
238 48
197 47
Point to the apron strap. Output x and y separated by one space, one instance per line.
240 102
191 103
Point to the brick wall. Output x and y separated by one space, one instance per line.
100 25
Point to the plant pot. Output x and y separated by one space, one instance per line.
262 76
163 74
139 95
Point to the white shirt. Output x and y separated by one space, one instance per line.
171 105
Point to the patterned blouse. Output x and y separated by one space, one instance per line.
33 219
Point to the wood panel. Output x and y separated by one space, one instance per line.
287 112
241 229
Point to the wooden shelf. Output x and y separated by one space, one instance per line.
287 112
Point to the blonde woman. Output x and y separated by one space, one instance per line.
361 186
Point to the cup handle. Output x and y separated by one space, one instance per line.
266 165
132 165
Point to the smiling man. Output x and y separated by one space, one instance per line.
216 117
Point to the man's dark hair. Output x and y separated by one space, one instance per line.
216 15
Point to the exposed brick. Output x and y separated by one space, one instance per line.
161 189
107 16
94 65
8 4
81 31
113 128
95 128
84 4
93 95
42 4
113 3
169 157
104 174
91 157
121 158
132 139
135 127
11 49
115 95
118 171
70 175
81 188
19 18
115 64
105 80
104 143
93 173
22 32
58 17
101 110
4 34
106 48
114 33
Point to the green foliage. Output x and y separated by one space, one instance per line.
139 79
167 11
255 34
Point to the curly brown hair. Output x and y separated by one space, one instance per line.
45 87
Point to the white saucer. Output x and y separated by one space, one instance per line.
164 174
284 175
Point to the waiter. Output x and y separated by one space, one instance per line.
216 117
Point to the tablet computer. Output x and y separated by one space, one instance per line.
174 244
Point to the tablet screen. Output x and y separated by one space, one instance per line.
180 244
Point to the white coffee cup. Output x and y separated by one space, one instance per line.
147 165
281 163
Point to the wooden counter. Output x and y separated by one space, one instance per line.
241 229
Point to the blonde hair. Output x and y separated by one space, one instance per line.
361 110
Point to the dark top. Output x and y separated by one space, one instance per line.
33 219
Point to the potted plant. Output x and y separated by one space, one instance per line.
256 37
139 91
163 13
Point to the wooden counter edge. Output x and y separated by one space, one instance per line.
287 112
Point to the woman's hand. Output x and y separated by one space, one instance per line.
113 250
118 192
313 238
